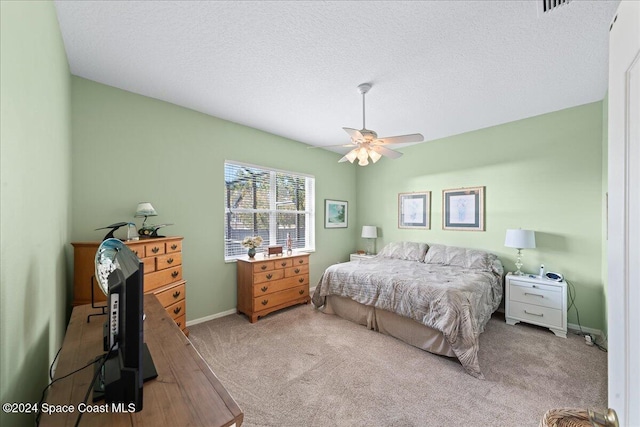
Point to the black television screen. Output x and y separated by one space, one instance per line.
129 362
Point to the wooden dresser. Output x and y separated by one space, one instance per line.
162 259
269 284
186 392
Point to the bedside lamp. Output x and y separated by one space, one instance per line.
520 239
370 232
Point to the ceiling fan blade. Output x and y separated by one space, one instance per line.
331 146
354 134
400 139
385 151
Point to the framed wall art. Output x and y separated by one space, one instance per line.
463 209
336 213
414 210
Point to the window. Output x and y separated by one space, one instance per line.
268 203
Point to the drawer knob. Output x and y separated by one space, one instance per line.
177 310
179 324
300 280
264 267
265 301
174 246
155 250
534 314
174 274
170 261
284 263
264 289
301 261
297 270
176 294
301 291
135 252
269 276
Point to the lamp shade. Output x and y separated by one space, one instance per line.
145 209
369 232
520 239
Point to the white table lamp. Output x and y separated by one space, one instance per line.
520 239
370 232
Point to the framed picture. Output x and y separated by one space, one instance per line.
463 209
414 210
335 213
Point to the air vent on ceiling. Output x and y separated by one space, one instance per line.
545 6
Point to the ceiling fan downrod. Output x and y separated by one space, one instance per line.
363 89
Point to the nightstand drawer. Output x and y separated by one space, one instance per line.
540 295
543 316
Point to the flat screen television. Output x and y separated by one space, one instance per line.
120 274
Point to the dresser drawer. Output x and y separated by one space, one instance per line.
263 266
172 295
276 286
538 315
268 276
301 260
283 263
277 298
176 310
168 260
138 249
163 277
149 265
173 246
541 295
181 321
153 249
296 270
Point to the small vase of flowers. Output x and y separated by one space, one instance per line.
252 243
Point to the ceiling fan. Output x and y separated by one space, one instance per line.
368 145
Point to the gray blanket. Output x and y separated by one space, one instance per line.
454 300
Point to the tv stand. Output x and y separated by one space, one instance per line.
186 391
148 373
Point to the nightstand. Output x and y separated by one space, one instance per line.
354 257
538 301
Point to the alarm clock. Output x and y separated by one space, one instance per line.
556 277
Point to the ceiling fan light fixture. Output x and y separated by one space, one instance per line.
352 155
362 162
362 154
375 156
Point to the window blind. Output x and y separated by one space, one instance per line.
269 203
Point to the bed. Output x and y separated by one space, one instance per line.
435 297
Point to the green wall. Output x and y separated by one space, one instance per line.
35 166
129 148
543 173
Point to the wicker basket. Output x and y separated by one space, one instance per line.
566 417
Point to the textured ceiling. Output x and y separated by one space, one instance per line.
291 68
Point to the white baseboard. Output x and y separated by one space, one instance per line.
213 316
597 332
225 313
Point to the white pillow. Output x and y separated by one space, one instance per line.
410 251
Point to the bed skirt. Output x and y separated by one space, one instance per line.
388 323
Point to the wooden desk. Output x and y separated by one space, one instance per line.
186 391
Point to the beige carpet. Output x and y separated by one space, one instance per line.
300 367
